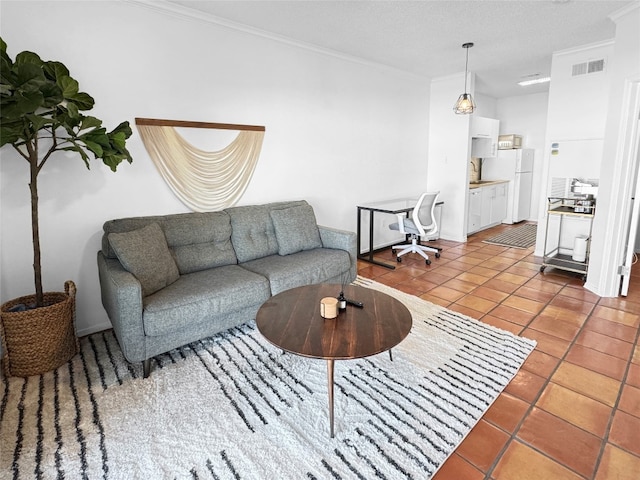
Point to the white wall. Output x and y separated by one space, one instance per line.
338 132
577 110
620 161
449 154
526 115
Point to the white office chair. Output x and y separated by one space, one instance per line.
421 224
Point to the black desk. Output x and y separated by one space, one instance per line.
399 205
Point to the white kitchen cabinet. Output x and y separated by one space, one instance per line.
487 206
475 210
484 137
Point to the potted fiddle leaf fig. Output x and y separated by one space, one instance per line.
42 117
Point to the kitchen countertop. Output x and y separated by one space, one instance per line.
485 183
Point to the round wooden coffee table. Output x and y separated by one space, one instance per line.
291 321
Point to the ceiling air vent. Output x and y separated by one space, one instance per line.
593 66
596 66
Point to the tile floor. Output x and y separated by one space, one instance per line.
573 410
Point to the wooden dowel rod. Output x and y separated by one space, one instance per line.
181 123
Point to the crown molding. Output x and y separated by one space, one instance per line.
178 11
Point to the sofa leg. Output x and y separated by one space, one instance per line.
146 367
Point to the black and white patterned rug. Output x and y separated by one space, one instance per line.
523 236
233 406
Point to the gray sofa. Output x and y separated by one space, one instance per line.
167 281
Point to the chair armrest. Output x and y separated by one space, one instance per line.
341 240
122 299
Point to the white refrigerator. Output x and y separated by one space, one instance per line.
517 167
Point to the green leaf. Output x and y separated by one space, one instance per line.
28 76
95 148
37 121
80 150
84 101
29 102
68 85
8 136
90 122
55 70
72 109
27 57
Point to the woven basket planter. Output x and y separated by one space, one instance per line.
41 339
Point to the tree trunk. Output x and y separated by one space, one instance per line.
35 230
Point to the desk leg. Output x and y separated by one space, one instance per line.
330 388
369 256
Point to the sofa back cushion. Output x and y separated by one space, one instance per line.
253 235
197 241
296 229
144 253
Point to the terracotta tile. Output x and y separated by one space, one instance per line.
533 294
429 297
613 367
502 324
521 462
484 271
547 343
446 293
564 330
565 315
456 468
506 412
436 277
490 294
630 400
541 363
449 271
611 329
469 312
625 432
579 293
605 344
575 408
561 440
513 278
592 384
543 286
573 304
472 278
617 464
512 315
477 303
524 304
621 303
619 316
636 355
482 445
525 385
633 377
460 285
501 285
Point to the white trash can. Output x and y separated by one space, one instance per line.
580 248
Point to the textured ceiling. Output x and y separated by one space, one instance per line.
513 39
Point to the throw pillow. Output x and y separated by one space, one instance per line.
145 253
296 229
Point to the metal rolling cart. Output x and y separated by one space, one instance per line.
557 207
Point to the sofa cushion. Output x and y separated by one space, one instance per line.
144 253
253 235
202 296
302 268
296 229
200 240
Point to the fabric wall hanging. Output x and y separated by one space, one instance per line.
204 181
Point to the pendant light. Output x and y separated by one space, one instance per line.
465 104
